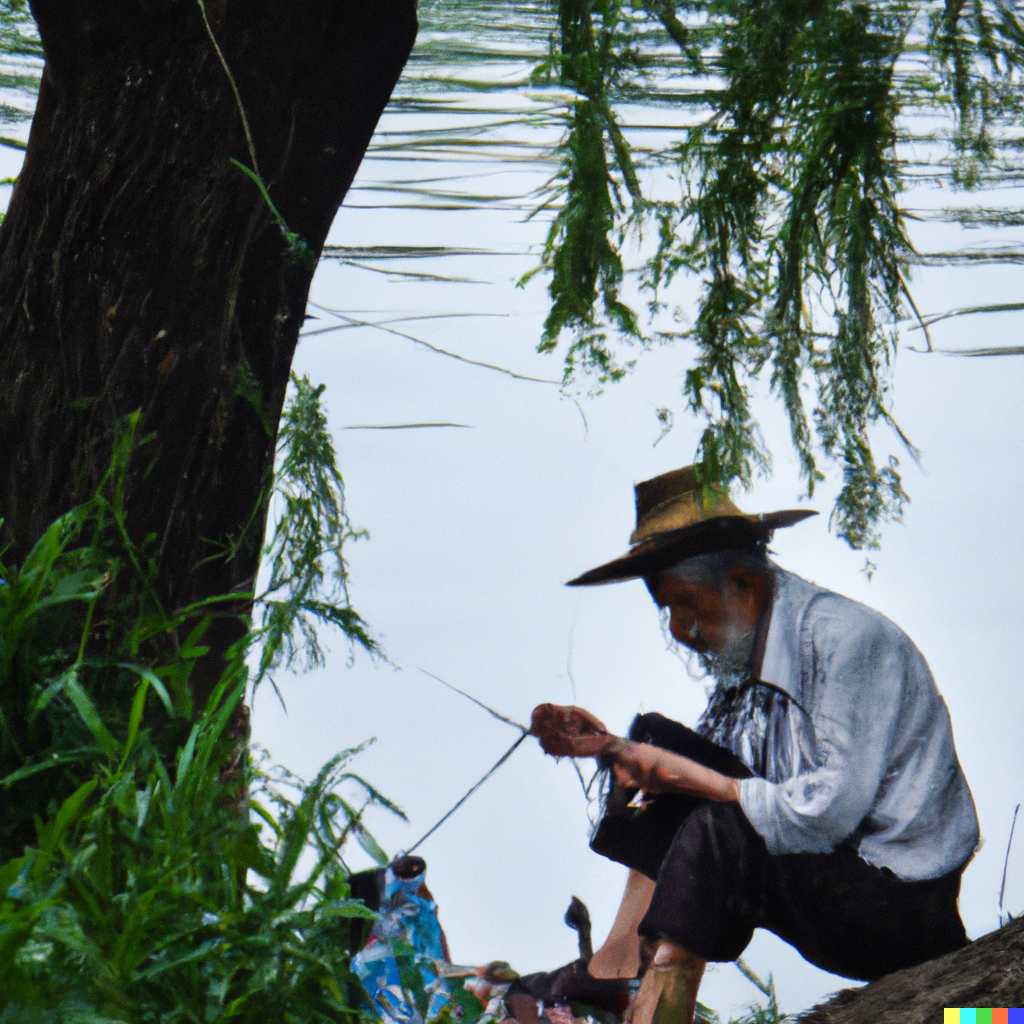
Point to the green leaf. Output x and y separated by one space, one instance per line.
188 752
139 705
87 710
52 834
371 846
53 760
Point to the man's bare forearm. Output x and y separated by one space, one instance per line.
656 770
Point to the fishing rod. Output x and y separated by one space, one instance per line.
523 733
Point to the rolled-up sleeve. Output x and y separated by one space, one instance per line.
853 663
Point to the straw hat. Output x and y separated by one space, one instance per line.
677 519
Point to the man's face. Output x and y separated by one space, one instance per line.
708 619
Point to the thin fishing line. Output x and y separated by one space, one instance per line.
579 775
404 426
569 649
440 351
501 760
584 785
496 714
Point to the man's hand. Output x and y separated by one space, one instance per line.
567 731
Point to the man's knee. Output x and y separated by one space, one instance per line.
705 899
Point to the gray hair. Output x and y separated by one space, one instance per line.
712 569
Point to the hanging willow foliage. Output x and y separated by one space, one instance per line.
788 211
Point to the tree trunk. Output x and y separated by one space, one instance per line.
141 270
989 972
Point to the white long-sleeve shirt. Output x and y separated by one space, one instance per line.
858 743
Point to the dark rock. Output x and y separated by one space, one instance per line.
988 972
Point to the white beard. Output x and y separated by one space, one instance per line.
730 666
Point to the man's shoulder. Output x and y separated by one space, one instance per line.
814 630
832 617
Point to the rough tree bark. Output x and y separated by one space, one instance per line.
141 270
988 972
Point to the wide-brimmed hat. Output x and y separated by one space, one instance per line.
676 518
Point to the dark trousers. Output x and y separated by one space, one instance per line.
717 882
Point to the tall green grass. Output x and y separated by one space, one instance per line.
149 869
148 897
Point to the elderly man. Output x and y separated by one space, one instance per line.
820 795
